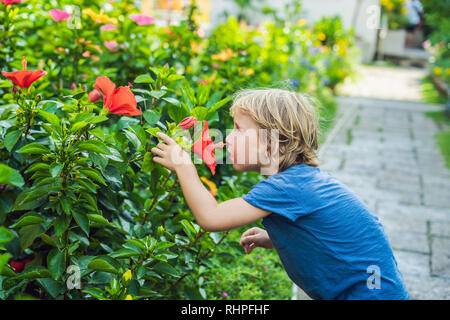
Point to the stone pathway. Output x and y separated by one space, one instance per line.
384 150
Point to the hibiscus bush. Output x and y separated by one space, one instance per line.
86 86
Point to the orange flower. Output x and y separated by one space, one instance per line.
24 78
224 55
118 100
211 185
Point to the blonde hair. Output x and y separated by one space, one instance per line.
292 114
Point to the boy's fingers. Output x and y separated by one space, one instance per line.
248 239
165 137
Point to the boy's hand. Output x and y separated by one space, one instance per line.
170 155
255 237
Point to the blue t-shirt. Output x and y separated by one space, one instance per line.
328 241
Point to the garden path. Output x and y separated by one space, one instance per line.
382 146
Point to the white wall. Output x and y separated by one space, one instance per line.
313 10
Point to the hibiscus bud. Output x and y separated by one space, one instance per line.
84 87
38 97
15 90
94 95
126 278
187 122
73 87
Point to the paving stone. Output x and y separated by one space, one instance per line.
389 207
427 288
402 222
412 264
440 258
440 228
405 240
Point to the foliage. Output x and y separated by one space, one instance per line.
395 12
81 198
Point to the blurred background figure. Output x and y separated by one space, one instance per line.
414 16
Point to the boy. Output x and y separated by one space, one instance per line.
329 243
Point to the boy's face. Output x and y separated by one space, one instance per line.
243 144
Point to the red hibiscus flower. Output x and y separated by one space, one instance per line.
94 95
187 122
8 2
24 78
59 15
204 148
18 266
118 100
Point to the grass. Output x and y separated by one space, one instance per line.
442 137
430 94
443 140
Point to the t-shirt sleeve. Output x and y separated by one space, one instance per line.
271 196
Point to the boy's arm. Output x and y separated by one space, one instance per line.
210 215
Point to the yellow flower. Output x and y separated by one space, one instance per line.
437 70
127 275
301 22
99 17
321 36
128 297
447 71
211 185
224 55
404 10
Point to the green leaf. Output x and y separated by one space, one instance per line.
55 169
124 253
174 77
99 219
200 113
77 126
93 174
11 139
151 116
153 131
102 265
38 166
4 260
97 119
217 106
5 236
92 145
188 229
65 205
158 94
10 176
166 268
56 263
177 114
96 293
148 164
133 138
28 219
51 118
61 224
28 234
172 101
34 148
98 133
143 78
82 220
51 286
33 273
